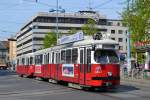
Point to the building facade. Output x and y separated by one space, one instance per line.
31 35
4 49
118 33
12 49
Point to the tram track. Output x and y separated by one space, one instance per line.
104 93
39 92
56 89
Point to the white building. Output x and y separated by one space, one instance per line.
31 35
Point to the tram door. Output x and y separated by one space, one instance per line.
82 66
57 64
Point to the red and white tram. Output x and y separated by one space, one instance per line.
86 63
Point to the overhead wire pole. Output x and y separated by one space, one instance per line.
57 21
90 7
128 43
57 33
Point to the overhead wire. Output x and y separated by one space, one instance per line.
102 4
9 6
12 22
41 3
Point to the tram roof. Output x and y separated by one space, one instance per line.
86 42
43 51
91 42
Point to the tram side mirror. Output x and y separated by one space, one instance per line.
93 47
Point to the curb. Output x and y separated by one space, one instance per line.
143 83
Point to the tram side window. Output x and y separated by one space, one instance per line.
53 58
74 55
89 60
23 61
27 61
31 60
81 60
36 59
81 56
63 56
46 59
17 61
39 59
68 56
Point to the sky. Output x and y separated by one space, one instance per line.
15 13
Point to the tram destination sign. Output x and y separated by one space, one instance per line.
72 38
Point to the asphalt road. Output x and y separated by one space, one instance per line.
13 87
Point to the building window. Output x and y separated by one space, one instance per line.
113 38
126 31
113 31
120 39
109 23
120 31
118 24
120 47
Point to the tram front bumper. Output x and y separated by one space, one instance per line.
107 81
106 78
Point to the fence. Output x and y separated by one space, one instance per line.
136 73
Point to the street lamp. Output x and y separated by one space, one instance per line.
58 9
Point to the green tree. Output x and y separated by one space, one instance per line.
72 31
50 39
90 27
137 18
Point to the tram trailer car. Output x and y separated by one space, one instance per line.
86 63
25 65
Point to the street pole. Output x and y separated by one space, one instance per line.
31 26
128 46
32 43
129 52
22 46
57 21
57 9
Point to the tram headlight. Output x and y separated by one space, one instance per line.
109 73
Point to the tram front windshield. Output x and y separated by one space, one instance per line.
105 56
